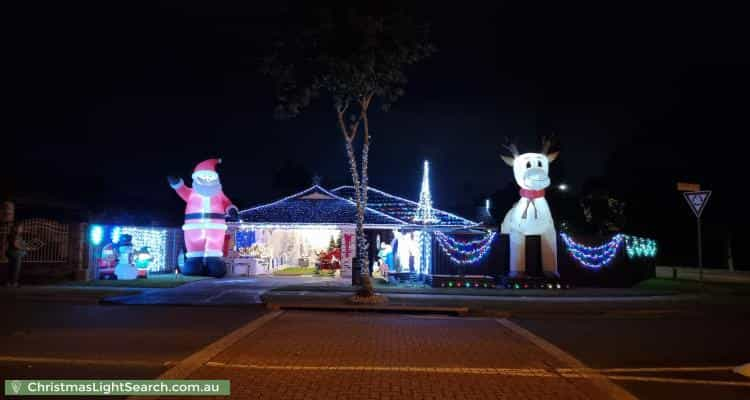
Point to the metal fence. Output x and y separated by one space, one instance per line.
49 241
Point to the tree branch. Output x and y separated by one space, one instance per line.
341 112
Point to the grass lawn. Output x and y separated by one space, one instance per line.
691 286
299 271
295 271
154 281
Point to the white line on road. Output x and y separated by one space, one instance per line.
602 383
79 361
662 369
535 372
678 380
570 373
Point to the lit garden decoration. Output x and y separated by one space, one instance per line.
531 215
599 256
465 252
640 247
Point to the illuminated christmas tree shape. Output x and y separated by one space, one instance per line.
425 213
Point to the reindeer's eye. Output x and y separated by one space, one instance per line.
539 163
528 164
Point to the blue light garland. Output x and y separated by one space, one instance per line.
593 257
599 256
470 252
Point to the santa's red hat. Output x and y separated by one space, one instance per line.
207 168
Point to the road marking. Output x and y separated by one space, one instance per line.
525 372
601 382
678 380
657 369
743 370
190 364
535 372
78 361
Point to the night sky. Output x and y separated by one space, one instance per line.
107 99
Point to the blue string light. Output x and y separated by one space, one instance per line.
96 234
596 257
469 252
401 208
116 235
593 257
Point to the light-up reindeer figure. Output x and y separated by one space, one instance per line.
531 214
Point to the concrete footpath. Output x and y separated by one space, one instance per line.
498 306
214 292
313 355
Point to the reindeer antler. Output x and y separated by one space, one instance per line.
547 143
511 147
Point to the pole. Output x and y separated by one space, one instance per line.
700 252
730 260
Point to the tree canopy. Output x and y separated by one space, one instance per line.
350 53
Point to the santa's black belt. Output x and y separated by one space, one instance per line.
204 216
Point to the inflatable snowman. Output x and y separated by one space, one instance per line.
125 269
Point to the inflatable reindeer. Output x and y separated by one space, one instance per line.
531 214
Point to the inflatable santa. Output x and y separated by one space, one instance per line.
205 220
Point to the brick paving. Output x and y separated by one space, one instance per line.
317 355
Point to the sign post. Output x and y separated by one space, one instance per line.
697 202
348 249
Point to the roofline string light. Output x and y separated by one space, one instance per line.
311 190
385 194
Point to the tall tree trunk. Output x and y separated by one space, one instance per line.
360 186
362 256
363 247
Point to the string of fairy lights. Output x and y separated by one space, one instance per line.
599 256
640 247
464 253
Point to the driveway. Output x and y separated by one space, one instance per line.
224 291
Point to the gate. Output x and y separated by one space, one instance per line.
49 241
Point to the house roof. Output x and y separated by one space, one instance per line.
314 206
400 208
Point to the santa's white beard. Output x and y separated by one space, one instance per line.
207 190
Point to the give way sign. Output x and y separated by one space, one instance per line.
697 201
